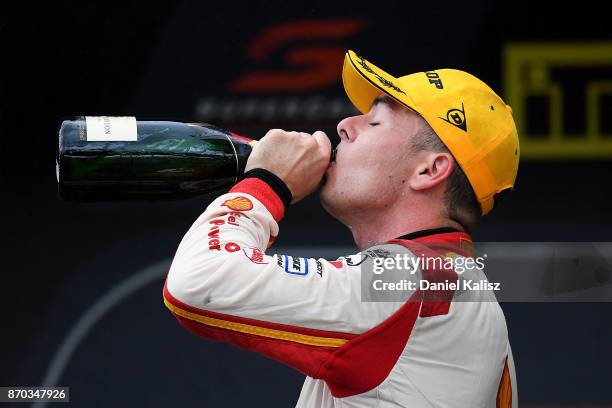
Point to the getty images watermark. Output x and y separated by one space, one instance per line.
488 271
393 273
437 270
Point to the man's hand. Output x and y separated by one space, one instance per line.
297 158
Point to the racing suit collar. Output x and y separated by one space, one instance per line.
445 238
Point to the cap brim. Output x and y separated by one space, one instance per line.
364 81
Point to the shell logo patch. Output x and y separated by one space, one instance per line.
239 204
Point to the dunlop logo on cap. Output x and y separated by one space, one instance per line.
239 204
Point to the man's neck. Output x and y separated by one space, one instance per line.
379 227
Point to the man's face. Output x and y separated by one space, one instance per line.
373 160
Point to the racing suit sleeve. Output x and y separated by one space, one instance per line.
222 285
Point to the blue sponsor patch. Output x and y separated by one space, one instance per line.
296 266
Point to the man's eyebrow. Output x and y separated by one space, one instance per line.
386 99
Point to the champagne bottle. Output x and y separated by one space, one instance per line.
103 158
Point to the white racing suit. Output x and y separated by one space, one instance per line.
307 313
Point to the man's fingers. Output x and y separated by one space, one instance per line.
323 141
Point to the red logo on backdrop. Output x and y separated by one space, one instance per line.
239 204
232 247
308 67
256 255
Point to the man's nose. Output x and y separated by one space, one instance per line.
348 128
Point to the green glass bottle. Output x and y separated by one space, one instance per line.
103 158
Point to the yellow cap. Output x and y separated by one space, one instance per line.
471 120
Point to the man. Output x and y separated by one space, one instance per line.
412 175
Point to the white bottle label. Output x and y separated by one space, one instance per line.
111 129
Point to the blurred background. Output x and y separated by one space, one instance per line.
82 283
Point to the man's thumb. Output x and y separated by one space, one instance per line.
323 141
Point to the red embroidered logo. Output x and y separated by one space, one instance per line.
256 255
239 204
213 235
337 264
232 247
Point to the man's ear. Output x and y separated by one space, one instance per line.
432 169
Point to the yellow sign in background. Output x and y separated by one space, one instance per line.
527 73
